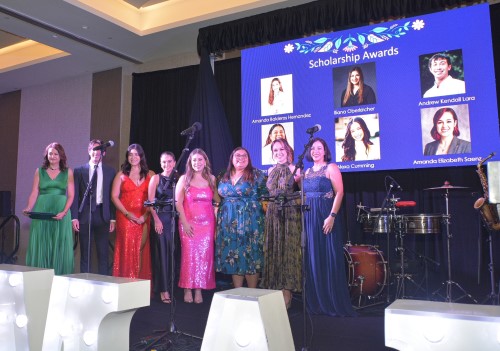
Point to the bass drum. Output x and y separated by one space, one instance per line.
366 270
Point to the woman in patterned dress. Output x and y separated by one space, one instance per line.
240 220
282 250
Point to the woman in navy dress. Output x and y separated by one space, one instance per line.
326 282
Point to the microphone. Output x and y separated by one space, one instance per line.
394 183
314 129
193 129
104 146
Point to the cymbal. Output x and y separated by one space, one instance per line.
447 186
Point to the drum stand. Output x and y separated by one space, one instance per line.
450 283
402 276
492 297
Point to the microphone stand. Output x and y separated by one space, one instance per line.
303 209
384 204
172 327
89 193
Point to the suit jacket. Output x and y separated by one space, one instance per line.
81 175
457 146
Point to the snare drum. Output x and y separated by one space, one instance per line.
366 270
383 224
422 223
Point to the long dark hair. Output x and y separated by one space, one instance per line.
439 113
248 173
126 166
348 90
62 156
349 143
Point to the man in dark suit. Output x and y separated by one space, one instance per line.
97 219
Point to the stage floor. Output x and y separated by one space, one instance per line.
150 326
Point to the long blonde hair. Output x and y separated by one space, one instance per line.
206 173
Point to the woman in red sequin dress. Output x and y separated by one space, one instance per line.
194 194
132 257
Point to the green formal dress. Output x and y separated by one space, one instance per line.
51 241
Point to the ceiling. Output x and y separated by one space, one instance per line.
47 40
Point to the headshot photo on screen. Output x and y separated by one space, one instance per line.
354 85
442 127
442 74
276 95
357 138
271 132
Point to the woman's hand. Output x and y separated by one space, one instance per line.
188 229
140 220
328 225
26 210
158 226
131 217
60 215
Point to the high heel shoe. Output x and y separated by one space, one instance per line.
165 297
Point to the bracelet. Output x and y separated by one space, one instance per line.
333 214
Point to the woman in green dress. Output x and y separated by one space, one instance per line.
51 240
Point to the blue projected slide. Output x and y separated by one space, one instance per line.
412 93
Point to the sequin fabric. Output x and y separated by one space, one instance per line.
197 252
132 258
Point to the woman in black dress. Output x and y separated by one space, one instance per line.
161 192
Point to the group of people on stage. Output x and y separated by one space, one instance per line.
222 224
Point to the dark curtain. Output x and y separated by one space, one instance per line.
162 102
311 18
214 138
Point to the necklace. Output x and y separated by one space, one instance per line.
54 169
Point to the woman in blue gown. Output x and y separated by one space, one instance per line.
240 221
326 283
51 240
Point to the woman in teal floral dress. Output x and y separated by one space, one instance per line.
240 220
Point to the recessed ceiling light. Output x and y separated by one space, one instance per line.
85 27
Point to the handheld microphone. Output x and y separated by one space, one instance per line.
193 129
394 183
314 129
104 146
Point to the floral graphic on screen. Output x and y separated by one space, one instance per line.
354 41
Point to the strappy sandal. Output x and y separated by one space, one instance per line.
164 298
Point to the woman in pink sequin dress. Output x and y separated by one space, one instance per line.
194 194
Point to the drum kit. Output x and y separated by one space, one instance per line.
368 271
